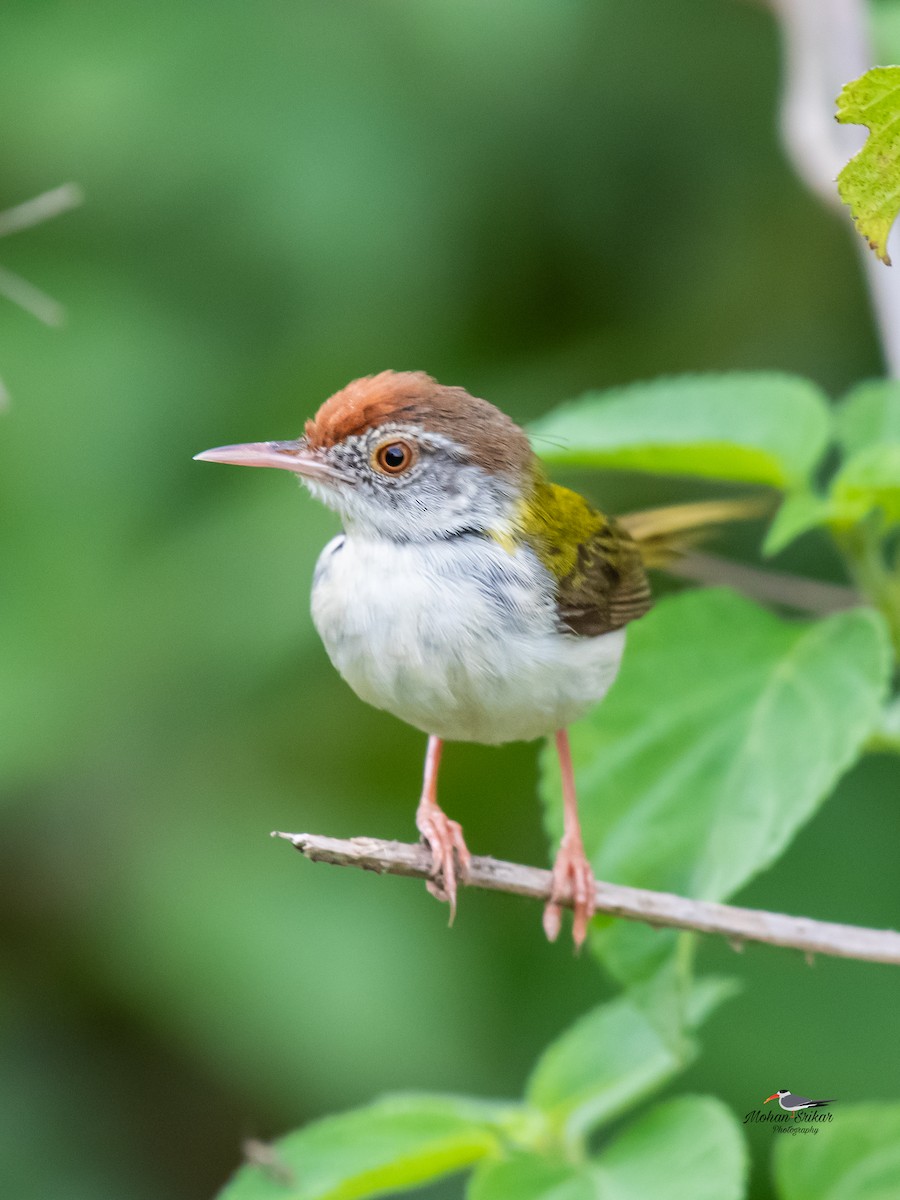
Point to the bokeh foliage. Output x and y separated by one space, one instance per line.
534 200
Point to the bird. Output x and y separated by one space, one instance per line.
468 595
792 1104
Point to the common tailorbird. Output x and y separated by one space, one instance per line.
468 595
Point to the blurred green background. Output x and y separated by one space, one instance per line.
529 199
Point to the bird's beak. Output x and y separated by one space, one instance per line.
293 456
774 1096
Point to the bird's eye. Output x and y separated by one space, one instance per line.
393 458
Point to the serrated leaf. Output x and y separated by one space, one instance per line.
396 1143
752 428
610 1059
870 413
855 1157
726 729
870 182
687 1149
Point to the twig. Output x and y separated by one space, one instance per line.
40 208
738 925
773 587
14 287
30 298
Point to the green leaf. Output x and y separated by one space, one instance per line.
867 426
870 182
857 1157
801 511
753 428
688 1149
726 729
867 481
869 414
393 1144
667 996
531 1177
609 1060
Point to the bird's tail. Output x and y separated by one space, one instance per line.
819 1103
662 534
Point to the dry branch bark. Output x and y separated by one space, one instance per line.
662 909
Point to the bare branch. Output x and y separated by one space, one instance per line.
738 925
14 287
32 299
772 587
40 208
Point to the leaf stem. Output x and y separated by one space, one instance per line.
862 548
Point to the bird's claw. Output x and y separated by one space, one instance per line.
572 883
450 856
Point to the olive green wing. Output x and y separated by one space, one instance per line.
607 587
601 583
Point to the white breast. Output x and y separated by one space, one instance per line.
458 638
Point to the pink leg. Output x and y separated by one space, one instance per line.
450 856
573 877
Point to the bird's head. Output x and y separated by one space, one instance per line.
400 456
778 1094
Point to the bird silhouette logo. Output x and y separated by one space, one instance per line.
793 1104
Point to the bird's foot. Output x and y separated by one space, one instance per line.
450 856
573 882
